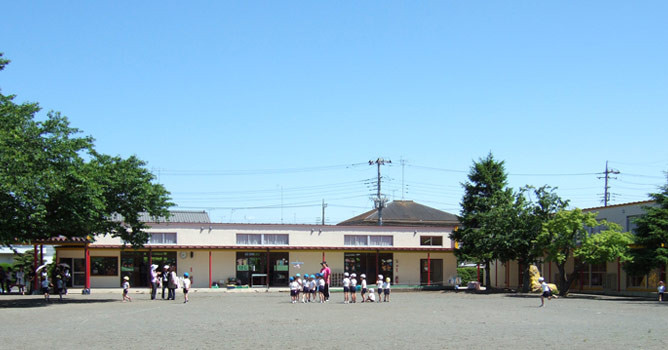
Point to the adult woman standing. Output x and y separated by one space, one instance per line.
326 273
173 283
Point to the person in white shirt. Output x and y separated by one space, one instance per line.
20 280
126 289
346 287
363 286
379 286
547 293
386 290
661 289
313 288
353 288
186 286
293 290
305 293
371 297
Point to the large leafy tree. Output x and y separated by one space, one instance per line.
566 235
485 190
54 183
520 224
651 236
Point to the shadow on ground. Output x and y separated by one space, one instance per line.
19 303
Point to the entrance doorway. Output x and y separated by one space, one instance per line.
252 268
136 265
371 264
77 269
431 272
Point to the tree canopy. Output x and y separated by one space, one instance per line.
485 190
651 236
520 223
567 235
54 183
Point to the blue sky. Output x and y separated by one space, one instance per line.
240 106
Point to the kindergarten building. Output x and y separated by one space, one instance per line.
412 248
607 278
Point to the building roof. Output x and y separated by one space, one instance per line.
404 213
180 216
648 202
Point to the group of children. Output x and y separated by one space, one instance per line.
311 288
186 282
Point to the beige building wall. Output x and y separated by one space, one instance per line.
311 260
223 265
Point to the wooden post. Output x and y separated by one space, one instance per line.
268 262
429 269
35 280
87 265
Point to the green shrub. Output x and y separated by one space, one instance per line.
468 274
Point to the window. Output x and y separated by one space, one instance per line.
355 240
636 280
365 240
273 239
104 266
163 238
381 241
597 274
431 240
262 239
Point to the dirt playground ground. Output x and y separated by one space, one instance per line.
412 320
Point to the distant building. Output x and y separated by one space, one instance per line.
7 254
413 248
606 278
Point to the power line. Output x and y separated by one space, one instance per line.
255 171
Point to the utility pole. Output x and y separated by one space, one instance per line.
606 192
324 205
379 201
403 189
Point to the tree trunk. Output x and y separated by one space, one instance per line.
565 284
526 279
563 289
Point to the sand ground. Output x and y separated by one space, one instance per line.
412 320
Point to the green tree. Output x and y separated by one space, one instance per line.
520 224
53 182
651 236
485 189
566 235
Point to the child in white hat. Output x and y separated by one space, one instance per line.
371 297
126 289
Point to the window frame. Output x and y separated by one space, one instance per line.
367 240
108 258
432 239
263 239
162 239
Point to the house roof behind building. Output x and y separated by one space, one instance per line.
649 202
180 216
401 213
